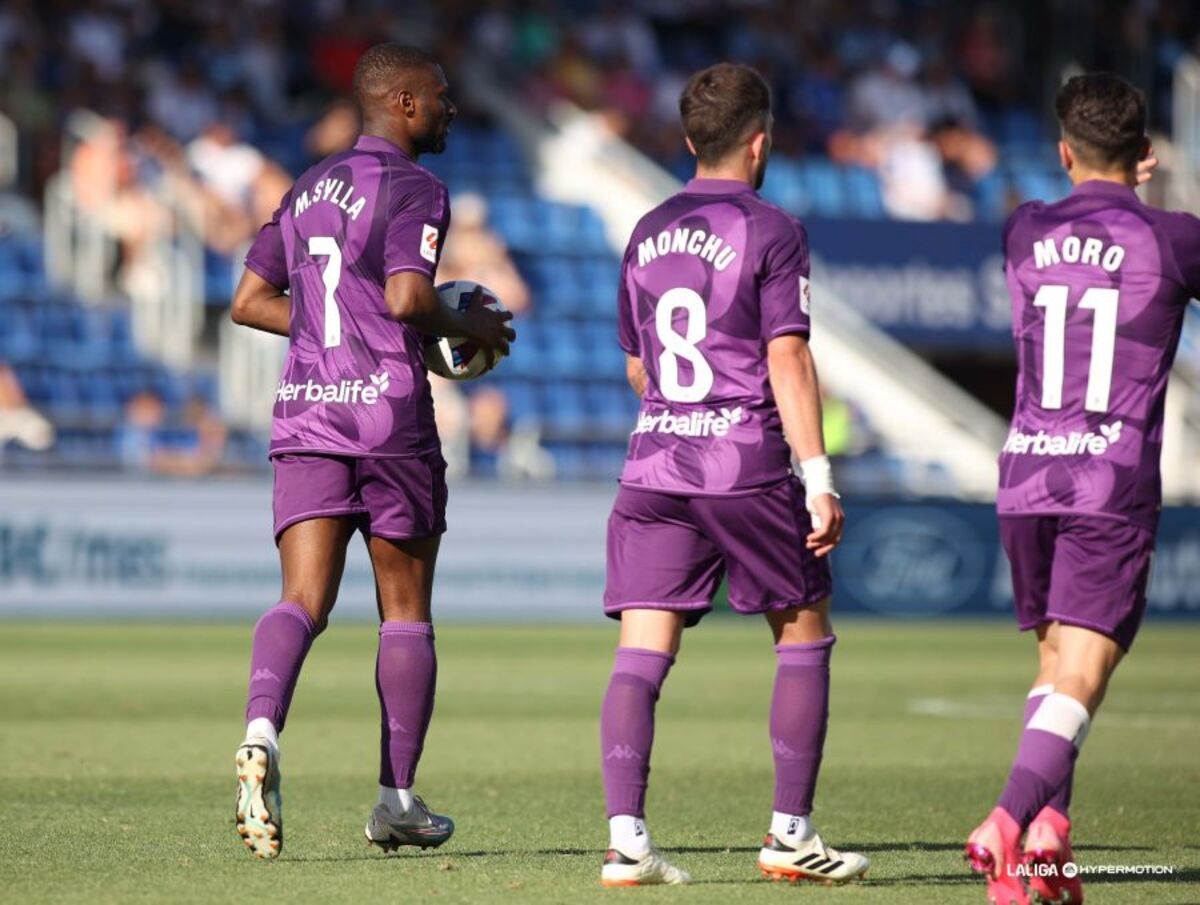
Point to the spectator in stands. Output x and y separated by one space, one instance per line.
146 441
474 252
239 187
498 448
19 421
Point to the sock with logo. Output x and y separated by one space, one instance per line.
1061 802
282 638
627 727
628 835
790 828
1045 757
799 715
406 678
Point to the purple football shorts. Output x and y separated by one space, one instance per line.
1079 570
398 499
670 552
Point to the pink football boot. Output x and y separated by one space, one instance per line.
992 851
1048 852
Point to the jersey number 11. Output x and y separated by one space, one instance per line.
1103 303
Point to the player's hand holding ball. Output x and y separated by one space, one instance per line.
486 334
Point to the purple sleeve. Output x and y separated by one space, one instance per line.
266 256
416 230
783 290
626 328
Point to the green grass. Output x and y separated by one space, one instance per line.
116 744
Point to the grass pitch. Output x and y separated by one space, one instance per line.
117 740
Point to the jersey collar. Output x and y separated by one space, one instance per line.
375 143
718 187
1104 187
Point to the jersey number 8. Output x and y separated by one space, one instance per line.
682 345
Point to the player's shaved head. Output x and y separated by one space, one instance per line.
386 68
721 107
1103 120
404 98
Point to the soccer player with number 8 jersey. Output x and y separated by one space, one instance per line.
356 241
714 318
1099 283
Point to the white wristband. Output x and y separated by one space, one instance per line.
817 475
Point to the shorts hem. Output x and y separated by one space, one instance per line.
1075 621
316 513
659 605
794 603
388 535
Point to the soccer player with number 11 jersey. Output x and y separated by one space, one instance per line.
1099 283
714 318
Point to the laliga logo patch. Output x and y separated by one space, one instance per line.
805 295
430 239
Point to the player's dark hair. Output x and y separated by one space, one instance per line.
1103 119
378 67
721 106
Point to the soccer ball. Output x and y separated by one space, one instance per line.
456 358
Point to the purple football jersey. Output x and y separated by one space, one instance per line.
709 278
1099 283
354 382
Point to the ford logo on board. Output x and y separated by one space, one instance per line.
913 561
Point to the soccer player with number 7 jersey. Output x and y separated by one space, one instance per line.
1099 283
714 318
356 241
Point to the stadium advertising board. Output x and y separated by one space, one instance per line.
513 552
944 281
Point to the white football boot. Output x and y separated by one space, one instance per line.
259 811
418 826
651 869
809 859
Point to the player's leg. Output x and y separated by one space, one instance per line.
312 554
406 681
771 572
406 504
993 848
1096 595
662 573
648 642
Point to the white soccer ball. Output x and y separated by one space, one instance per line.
456 358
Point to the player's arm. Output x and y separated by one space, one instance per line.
261 305
793 375
260 300
412 299
635 373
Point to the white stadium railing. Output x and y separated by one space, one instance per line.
165 284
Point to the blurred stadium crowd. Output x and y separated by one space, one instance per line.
203 112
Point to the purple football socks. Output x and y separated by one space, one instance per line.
627 727
282 638
1045 757
799 715
1061 801
406 678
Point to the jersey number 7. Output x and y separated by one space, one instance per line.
331 275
